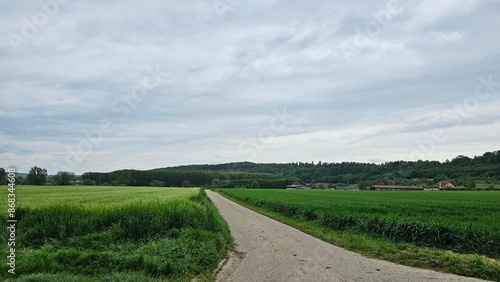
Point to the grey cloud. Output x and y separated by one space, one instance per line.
221 79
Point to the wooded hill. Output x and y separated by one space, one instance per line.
462 170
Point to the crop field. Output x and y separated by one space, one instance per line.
463 222
89 233
94 196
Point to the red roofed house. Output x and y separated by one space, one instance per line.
445 184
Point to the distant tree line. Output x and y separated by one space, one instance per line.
162 177
253 183
463 170
38 176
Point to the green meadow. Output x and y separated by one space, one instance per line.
82 233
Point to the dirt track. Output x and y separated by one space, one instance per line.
267 250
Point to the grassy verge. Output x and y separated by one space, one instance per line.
403 253
146 240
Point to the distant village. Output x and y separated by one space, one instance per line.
441 185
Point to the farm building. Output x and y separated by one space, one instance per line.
432 188
321 185
453 189
297 187
445 184
396 187
448 185
347 188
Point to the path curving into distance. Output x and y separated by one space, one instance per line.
269 251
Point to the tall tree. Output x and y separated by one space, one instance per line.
216 183
255 184
37 176
124 178
471 184
3 176
63 178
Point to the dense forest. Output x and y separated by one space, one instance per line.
462 170
187 178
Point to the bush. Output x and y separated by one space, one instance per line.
227 184
254 184
88 182
157 183
216 183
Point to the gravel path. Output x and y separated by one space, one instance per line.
267 250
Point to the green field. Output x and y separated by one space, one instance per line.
81 233
465 223
92 196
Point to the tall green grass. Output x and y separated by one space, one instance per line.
138 240
464 222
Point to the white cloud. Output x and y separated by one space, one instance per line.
428 12
222 79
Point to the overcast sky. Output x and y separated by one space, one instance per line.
106 85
